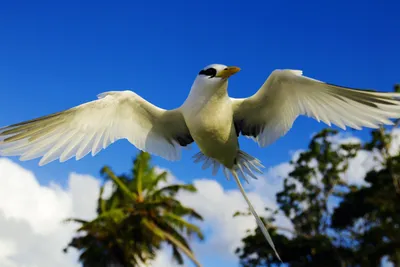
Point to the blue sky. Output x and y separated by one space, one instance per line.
57 54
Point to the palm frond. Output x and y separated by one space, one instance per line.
172 190
75 220
152 227
139 216
119 182
183 225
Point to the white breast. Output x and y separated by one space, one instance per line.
211 126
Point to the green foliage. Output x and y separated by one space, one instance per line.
137 219
362 229
316 177
373 213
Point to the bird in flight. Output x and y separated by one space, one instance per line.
208 117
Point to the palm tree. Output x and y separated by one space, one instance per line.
136 220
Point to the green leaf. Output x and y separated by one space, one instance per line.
119 183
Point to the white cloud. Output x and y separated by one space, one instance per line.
31 232
359 166
395 145
164 259
22 198
217 206
7 249
365 161
31 229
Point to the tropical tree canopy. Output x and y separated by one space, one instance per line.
361 230
141 215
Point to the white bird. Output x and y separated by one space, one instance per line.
208 117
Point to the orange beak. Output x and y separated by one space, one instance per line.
228 72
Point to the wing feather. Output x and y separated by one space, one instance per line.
286 94
95 125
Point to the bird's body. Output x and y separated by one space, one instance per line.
208 117
210 122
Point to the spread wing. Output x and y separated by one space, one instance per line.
95 125
286 94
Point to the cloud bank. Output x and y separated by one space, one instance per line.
32 235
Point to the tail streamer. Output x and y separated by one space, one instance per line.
246 166
253 211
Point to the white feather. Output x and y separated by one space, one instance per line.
95 125
286 94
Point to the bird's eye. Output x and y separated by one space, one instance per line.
209 72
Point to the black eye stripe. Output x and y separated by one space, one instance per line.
209 72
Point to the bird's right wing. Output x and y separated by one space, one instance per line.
95 125
286 94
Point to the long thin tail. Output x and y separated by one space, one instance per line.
253 211
245 165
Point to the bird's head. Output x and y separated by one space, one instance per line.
216 74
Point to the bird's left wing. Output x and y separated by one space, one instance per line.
95 125
286 94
